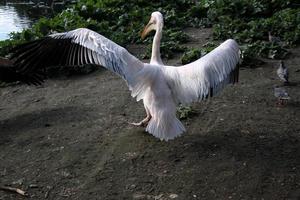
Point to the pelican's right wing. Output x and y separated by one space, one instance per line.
206 76
78 47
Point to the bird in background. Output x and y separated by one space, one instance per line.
160 87
10 73
281 95
273 39
283 73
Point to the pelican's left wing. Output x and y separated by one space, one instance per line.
206 76
78 47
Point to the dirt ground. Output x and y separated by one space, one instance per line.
70 139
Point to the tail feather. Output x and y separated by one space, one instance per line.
165 129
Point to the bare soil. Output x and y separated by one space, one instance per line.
70 139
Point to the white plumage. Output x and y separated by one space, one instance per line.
160 87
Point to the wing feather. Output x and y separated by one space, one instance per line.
85 56
90 57
81 46
69 58
65 54
205 77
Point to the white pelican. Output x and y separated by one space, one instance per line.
160 87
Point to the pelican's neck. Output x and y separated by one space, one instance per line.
155 56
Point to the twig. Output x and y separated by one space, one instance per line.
12 189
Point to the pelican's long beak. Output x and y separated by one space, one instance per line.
148 28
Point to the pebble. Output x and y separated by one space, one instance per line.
33 186
173 196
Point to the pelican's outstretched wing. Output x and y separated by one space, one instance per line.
206 76
77 47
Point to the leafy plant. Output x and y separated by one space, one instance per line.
170 44
247 21
252 31
193 54
185 112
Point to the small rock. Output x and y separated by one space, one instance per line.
18 182
139 196
173 196
33 186
158 197
66 174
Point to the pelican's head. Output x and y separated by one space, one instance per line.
156 23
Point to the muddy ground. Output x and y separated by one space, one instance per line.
70 139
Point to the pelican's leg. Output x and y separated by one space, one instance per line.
145 121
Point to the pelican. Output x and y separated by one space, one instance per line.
160 87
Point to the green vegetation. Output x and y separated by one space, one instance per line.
195 53
247 21
185 112
250 26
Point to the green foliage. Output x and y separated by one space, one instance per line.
250 21
65 21
191 55
185 112
247 21
195 53
264 49
284 24
6 45
121 21
170 44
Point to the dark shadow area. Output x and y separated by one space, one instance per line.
254 165
42 118
295 104
68 71
275 159
272 149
